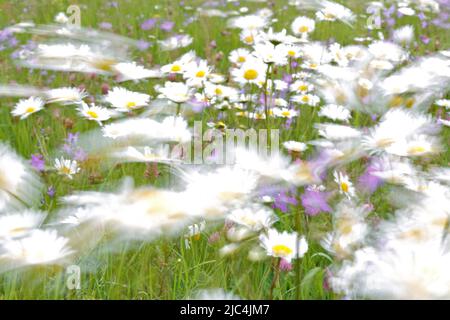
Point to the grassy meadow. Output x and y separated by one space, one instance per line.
166 268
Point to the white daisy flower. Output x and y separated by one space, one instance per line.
271 54
249 37
148 154
124 100
175 42
221 92
94 112
174 129
284 245
295 146
194 233
332 11
254 218
284 113
252 71
131 71
179 66
443 103
308 99
18 183
197 73
61 18
239 56
39 248
15 225
335 132
292 51
417 145
407 11
335 112
445 122
302 26
349 229
177 92
65 95
403 35
345 185
25 107
301 86
66 167
280 102
248 22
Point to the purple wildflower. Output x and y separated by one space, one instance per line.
38 162
315 201
148 24
425 39
167 25
143 45
51 191
80 155
369 182
71 148
283 200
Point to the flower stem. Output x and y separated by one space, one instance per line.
276 276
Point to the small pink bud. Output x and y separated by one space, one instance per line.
285 265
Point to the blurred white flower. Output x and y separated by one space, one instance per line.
284 245
26 107
66 167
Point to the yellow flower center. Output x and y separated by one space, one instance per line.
221 125
305 99
291 53
345 228
104 64
92 114
131 105
218 91
241 59
396 102
200 74
286 113
303 29
383 143
344 186
416 234
313 65
65 170
281 250
30 110
416 150
303 87
250 74
17 230
249 39
175 68
409 103
330 16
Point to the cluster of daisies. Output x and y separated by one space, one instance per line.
378 114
